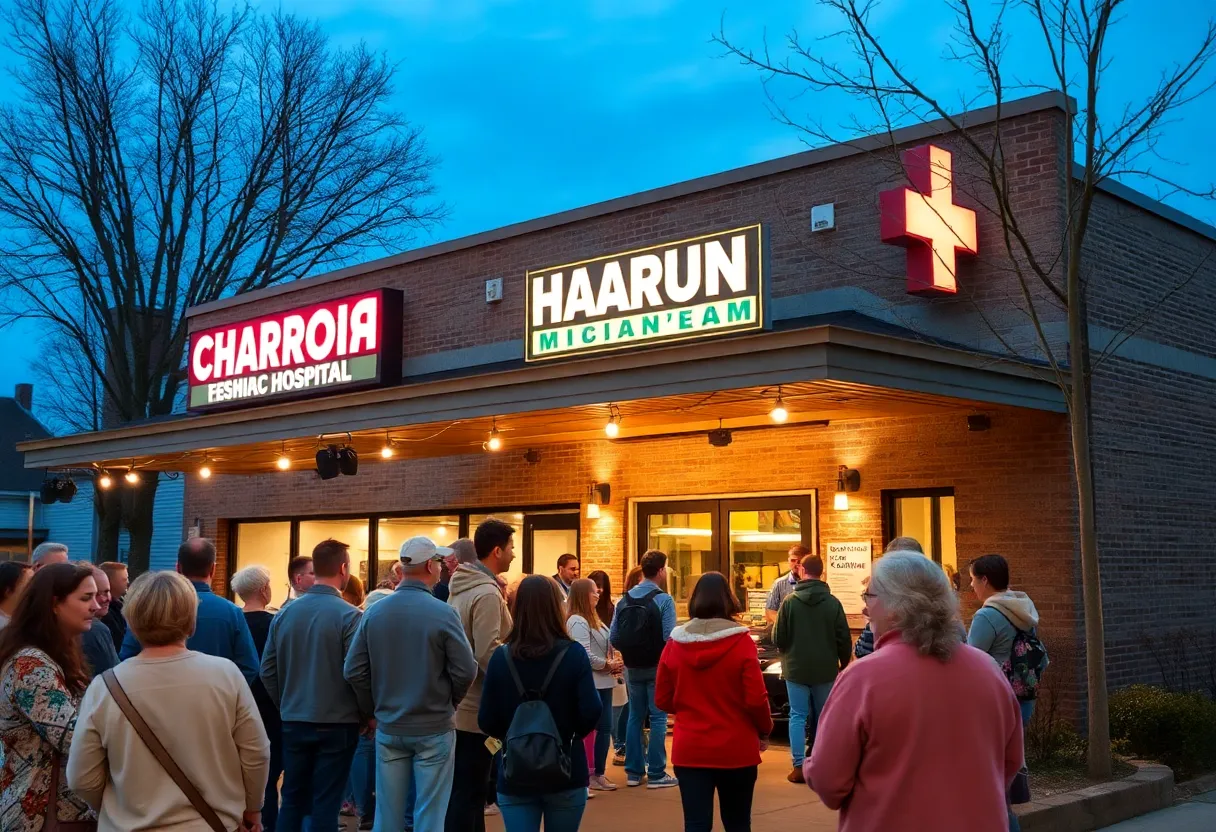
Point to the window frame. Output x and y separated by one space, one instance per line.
890 496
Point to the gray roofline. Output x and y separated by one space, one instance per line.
1011 109
1147 203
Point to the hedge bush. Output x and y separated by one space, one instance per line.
1177 729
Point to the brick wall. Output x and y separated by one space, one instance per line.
1013 491
1155 441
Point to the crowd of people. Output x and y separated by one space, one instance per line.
445 694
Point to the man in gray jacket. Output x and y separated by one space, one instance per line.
411 663
302 672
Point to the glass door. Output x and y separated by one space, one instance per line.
546 538
746 539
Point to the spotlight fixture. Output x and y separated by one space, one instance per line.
348 461
600 494
613 426
105 481
978 422
327 463
57 490
848 480
531 456
283 462
779 414
387 451
204 471
132 476
720 437
494 440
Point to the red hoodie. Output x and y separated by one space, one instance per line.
709 677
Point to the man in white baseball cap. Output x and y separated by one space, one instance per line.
423 668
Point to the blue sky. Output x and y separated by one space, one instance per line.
542 105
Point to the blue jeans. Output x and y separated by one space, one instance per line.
806 704
641 703
561 811
603 732
363 777
620 726
423 765
316 767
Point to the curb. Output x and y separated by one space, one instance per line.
1149 789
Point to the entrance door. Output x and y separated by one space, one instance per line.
745 539
546 538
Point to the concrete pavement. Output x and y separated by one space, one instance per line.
1197 814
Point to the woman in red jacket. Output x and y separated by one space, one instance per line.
709 676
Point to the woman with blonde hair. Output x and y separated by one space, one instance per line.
587 629
905 696
197 707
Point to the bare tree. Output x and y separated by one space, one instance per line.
1100 144
191 153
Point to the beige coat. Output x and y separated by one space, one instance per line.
478 600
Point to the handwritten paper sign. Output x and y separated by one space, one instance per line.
848 566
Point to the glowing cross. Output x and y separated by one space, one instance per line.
924 220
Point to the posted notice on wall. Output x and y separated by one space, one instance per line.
757 601
848 565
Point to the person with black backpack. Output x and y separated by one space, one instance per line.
1005 627
538 702
641 626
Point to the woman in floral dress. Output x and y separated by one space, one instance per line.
42 677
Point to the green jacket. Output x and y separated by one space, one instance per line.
812 634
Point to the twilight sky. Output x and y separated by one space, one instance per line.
537 106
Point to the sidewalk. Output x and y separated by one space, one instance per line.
1198 814
779 806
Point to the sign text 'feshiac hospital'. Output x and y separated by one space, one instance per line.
708 285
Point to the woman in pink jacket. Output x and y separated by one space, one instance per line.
923 710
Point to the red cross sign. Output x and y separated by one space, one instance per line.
924 220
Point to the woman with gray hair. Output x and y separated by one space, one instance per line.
923 710
252 585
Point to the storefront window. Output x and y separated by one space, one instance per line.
269 545
354 533
759 546
687 539
928 517
392 532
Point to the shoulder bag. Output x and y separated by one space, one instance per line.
160 753
50 820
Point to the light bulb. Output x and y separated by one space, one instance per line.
593 511
386 452
612 428
284 463
132 477
779 414
494 443
841 502
205 472
105 481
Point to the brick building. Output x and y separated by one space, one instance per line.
931 413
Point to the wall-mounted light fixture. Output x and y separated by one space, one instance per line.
105 480
284 462
333 460
600 494
848 480
204 470
58 489
132 476
386 452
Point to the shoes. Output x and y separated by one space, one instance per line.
664 782
590 794
600 783
618 759
492 810
632 781
795 775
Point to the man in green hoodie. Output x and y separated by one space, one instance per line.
813 636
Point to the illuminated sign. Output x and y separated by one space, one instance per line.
925 220
329 347
695 288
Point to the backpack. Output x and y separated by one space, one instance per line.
639 631
1026 663
534 755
